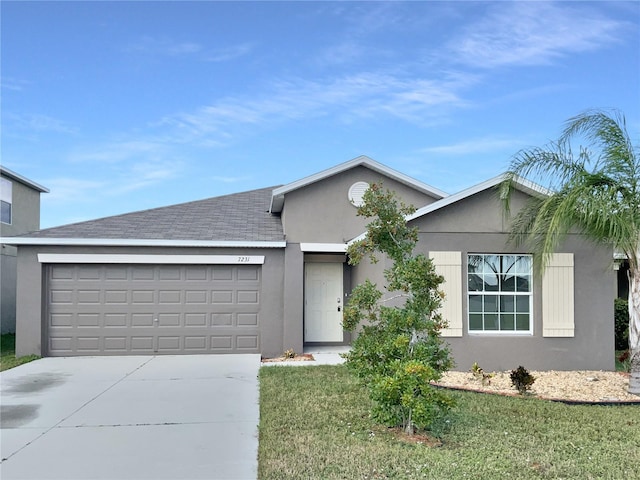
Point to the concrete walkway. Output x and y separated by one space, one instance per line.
164 417
330 355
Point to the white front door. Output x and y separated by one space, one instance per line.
323 302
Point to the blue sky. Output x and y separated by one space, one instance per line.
124 106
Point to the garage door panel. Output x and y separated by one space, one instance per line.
61 320
61 297
115 345
170 272
114 320
247 342
247 319
141 344
61 344
248 273
89 320
142 309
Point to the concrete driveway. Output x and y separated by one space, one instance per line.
164 417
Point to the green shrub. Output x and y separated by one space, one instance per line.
621 315
479 374
522 379
398 351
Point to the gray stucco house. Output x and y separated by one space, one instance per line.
19 214
264 271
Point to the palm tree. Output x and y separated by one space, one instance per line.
595 191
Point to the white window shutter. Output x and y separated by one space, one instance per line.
449 265
557 297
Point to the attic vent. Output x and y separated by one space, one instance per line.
356 192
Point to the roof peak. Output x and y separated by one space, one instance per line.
277 198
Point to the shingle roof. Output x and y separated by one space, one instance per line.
238 217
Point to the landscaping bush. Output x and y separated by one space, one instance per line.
398 351
522 379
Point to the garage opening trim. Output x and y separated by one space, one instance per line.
152 259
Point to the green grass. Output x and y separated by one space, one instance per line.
8 353
314 423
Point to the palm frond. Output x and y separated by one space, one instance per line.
594 192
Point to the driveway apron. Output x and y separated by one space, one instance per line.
136 417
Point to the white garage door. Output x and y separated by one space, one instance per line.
152 309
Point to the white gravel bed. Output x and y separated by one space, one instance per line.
585 386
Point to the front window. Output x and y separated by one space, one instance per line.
6 194
500 293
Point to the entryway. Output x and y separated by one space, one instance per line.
323 302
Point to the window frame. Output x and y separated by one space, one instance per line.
6 198
498 293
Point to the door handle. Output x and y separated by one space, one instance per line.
338 307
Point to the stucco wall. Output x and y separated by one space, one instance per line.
476 225
31 290
25 217
8 268
25 209
321 212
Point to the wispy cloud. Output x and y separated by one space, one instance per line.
475 146
114 181
188 49
36 123
73 189
221 179
228 53
144 174
533 33
14 84
131 165
118 151
164 46
350 97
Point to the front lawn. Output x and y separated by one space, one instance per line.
314 424
8 353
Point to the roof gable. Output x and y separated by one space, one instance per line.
521 184
277 197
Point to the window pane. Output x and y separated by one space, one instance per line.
492 264
523 264
475 282
507 322
523 283
474 264
522 304
507 303
5 212
491 321
475 322
490 303
6 191
522 321
508 264
490 282
508 283
475 303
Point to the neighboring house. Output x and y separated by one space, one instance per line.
19 214
265 271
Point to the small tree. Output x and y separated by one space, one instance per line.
398 351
